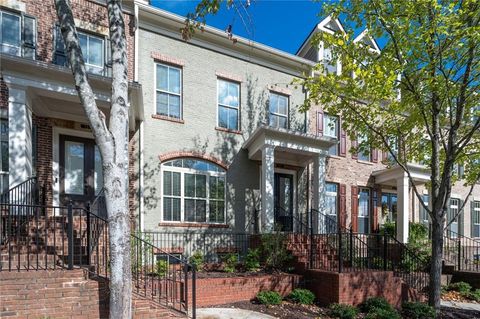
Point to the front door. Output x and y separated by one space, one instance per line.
283 197
81 176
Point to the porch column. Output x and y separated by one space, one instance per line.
402 208
268 215
318 188
19 136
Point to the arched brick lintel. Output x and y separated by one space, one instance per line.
191 154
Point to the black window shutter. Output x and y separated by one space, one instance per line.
60 54
29 36
472 219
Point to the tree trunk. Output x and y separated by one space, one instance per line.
436 266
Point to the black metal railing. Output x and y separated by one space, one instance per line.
461 251
99 204
27 192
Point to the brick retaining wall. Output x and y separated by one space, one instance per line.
217 291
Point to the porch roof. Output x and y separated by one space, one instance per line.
389 176
52 85
293 144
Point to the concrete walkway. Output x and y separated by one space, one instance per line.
461 305
230 313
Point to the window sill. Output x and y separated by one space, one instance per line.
167 118
193 225
226 130
364 162
335 156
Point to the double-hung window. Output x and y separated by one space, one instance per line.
331 129
331 205
364 152
424 218
228 104
169 91
278 109
452 217
329 64
475 218
17 34
364 211
193 191
93 51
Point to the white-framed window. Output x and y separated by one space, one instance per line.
331 129
424 218
330 65
93 51
278 110
193 191
475 218
4 157
168 91
364 153
364 211
228 94
331 207
393 143
17 34
452 216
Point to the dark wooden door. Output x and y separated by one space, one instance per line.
81 177
283 197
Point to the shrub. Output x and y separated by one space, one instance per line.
274 250
418 310
461 286
378 313
269 298
388 228
375 303
342 311
252 260
161 268
230 262
197 260
474 295
302 296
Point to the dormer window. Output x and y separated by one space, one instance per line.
329 63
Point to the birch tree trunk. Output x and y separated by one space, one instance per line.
112 142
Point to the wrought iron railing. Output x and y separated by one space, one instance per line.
27 192
461 251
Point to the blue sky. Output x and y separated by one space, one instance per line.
282 24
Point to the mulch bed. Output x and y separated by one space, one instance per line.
289 310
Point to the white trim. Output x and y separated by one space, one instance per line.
294 174
155 90
57 131
238 108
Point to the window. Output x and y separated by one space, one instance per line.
458 170
93 50
228 104
389 206
452 217
4 155
278 108
424 217
193 191
331 129
364 151
17 34
475 218
329 63
169 90
331 205
364 211
393 143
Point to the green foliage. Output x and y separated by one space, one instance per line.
474 295
252 260
197 260
388 228
461 287
375 303
140 253
274 250
302 296
378 313
342 311
161 268
269 298
418 310
230 262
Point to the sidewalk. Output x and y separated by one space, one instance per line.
461 305
230 313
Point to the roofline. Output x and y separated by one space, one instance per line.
215 32
307 39
320 27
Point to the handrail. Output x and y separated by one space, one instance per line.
22 192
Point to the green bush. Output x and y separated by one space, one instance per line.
418 310
302 296
342 311
274 250
474 295
197 260
269 298
461 286
388 228
252 260
375 303
161 268
230 262
378 313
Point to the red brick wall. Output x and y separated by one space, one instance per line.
217 291
354 288
3 94
44 155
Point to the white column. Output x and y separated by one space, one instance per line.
318 187
268 167
19 136
402 208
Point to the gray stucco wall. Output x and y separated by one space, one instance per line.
198 132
